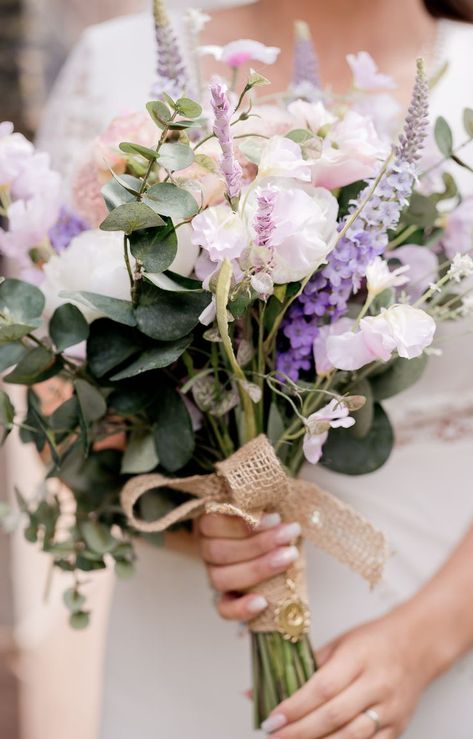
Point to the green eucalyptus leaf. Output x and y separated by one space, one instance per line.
400 375
73 600
144 151
98 537
443 136
115 194
300 135
183 124
10 332
365 416
172 431
140 454
110 344
188 107
276 425
169 200
167 316
120 311
348 455
131 397
159 112
10 354
37 365
92 404
68 326
174 157
468 121
131 217
93 477
124 569
79 620
156 248
156 358
66 417
20 301
7 414
422 211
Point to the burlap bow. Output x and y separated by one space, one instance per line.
253 481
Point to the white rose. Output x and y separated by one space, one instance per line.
93 262
282 157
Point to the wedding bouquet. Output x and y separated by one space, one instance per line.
266 273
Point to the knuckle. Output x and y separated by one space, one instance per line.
333 715
217 579
214 552
260 569
327 689
355 731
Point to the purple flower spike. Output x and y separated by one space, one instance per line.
172 77
263 223
326 296
306 64
231 169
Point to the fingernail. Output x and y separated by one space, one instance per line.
257 604
269 521
273 723
288 533
282 557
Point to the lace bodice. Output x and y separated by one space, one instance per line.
111 71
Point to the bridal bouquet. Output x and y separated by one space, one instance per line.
264 276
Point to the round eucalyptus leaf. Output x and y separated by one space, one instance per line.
400 375
350 456
443 136
79 620
365 416
167 316
10 332
124 569
98 537
468 121
175 156
73 600
188 107
68 326
10 354
120 311
92 404
172 431
159 112
156 248
21 300
156 358
110 344
140 454
131 217
38 365
169 200
144 151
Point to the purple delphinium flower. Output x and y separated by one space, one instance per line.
172 77
230 168
326 295
65 229
306 77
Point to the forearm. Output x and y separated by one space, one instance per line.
441 613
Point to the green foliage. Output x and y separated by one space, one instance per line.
167 316
443 136
159 112
169 200
7 414
189 108
97 536
365 416
21 305
156 358
68 327
79 621
37 365
300 135
140 455
149 154
121 311
348 455
399 376
468 121
155 248
110 344
172 430
117 191
422 212
10 354
92 405
174 157
131 217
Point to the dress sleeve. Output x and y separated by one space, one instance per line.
73 115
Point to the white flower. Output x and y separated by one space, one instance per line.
365 73
237 53
282 157
323 365
334 415
220 232
15 152
310 115
305 222
461 267
93 262
351 151
401 328
467 305
187 252
379 277
262 283
28 224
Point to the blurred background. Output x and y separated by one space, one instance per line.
36 37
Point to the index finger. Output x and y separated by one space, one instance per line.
220 526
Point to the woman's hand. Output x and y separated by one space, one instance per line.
383 665
239 558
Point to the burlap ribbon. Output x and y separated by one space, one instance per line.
253 481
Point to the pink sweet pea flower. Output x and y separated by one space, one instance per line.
423 267
237 53
323 365
334 415
458 236
282 157
366 75
401 328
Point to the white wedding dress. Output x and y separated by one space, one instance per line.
173 668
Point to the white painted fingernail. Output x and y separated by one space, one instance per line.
288 533
273 723
269 521
257 604
283 557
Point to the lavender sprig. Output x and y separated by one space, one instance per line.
172 77
306 78
326 296
230 168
